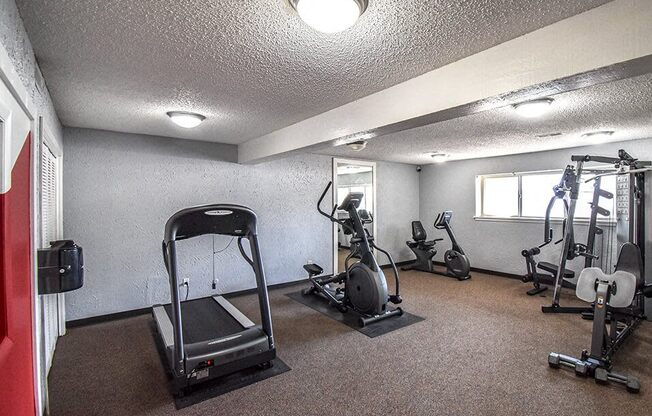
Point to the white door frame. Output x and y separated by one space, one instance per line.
10 78
336 161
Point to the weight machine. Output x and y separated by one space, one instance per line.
618 296
630 215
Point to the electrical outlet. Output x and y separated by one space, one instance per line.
309 262
186 281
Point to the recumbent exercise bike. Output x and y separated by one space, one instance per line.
457 263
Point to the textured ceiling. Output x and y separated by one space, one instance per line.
251 67
622 106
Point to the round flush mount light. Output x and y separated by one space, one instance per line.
330 16
185 119
357 146
534 108
439 157
598 136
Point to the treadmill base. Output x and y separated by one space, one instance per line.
226 384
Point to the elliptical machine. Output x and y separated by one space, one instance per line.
362 286
457 263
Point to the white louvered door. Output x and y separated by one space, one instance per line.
50 224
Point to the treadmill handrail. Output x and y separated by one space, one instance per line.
219 219
214 217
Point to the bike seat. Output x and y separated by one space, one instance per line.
552 269
313 269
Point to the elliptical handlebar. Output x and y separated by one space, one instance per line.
321 198
331 216
396 297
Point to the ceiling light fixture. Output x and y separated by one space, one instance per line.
534 108
357 146
439 157
598 136
549 135
185 119
330 16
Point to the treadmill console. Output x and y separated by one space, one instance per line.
222 219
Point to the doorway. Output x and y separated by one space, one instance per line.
351 176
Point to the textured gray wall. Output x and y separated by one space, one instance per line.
398 205
14 39
119 189
496 245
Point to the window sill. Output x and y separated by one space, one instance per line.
579 221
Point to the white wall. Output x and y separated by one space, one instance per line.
497 245
120 189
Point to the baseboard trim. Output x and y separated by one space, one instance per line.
270 287
495 273
107 318
398 265
143 311
480 270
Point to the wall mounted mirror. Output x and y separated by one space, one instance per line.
352 176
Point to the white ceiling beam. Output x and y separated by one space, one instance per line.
613 33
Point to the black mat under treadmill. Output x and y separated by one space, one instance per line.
205 319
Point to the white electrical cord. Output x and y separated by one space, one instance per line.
214 285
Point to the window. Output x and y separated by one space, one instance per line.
526 195
536 191
500 197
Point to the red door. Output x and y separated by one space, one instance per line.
17 385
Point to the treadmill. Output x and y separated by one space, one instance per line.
209 337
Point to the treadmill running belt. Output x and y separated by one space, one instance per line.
205 319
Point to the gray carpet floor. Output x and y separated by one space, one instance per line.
481 350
